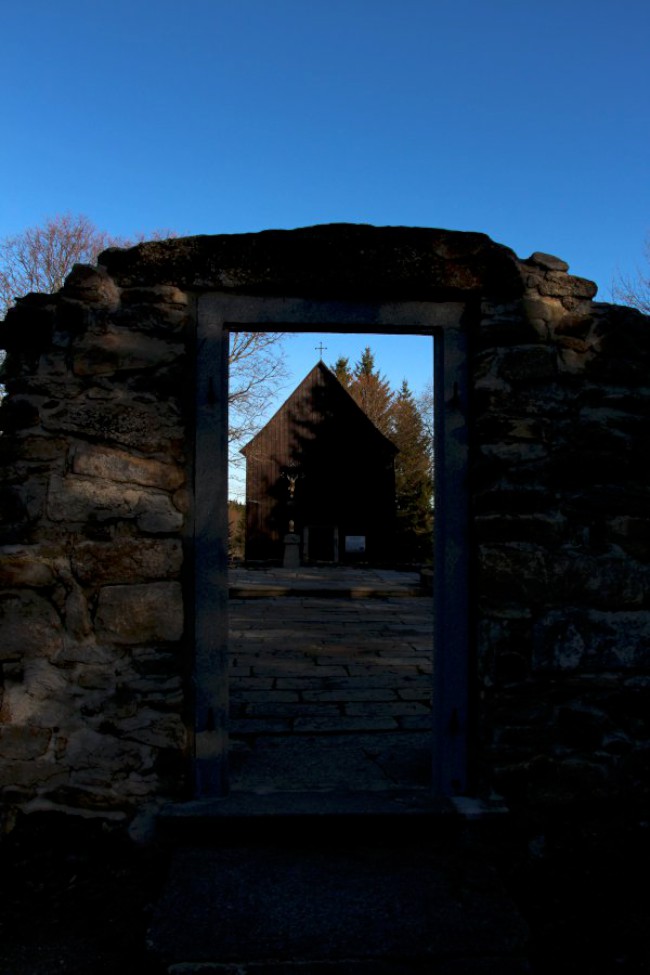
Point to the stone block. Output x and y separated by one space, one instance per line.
23 743
147 428
590 641
166 295
547 261
103 799
40 449
152 729
632 535
30 626
44 681
567 782
159 516
536 529
92 285
120 466
140 613
582 727
115 349
567 284
127 560
515 454
78 623
543 309
23 704
25 566
513 572
608 582
161 692
102 756
528 364
29 776
78 499
96 678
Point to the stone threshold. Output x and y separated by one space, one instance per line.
404 816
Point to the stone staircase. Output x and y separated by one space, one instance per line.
333 884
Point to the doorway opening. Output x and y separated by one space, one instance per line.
356 627
330 612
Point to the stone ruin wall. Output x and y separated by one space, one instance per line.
95 498
97 426
561 520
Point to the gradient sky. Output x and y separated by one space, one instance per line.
526 121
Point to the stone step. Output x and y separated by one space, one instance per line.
276 817
337 886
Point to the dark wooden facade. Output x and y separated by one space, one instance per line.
322 464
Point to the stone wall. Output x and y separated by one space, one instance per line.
561 516
94 500
96 518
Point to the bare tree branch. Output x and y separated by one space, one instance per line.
635 290
40 258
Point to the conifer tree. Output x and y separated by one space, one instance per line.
409 424
342 371
413 481
367 387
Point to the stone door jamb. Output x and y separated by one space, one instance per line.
217 315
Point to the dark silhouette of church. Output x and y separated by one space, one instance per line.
321 467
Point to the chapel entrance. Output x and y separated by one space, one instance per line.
444 323
321 543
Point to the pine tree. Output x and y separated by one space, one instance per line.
342 371
409 424
369 389
413 481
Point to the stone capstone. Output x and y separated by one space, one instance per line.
343 259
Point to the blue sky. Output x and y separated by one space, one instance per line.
526 121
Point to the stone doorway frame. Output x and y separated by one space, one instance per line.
447 324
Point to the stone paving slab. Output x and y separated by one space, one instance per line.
376 760
329 669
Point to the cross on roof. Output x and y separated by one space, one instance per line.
320 349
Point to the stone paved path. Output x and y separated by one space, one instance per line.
330 693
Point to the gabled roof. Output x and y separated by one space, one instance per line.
299 401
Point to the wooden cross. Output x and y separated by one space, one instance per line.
320 349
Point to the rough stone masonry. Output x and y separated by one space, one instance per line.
97 468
